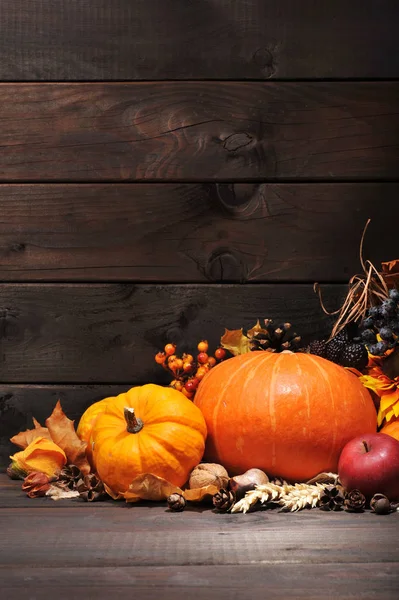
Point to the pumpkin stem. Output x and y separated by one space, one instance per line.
134 424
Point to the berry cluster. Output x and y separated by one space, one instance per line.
345 349
380 328
186 370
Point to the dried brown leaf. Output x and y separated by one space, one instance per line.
111 493
390 272
257 328
62 432
202 494
24 438
150 487
235 341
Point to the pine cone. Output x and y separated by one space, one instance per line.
223 500
90 488
275 339
69 477
332 498
176 502
354 501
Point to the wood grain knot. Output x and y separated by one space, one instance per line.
264 59
224 266
235 141
17 247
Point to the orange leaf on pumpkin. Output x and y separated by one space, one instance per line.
63 433
150 487
24 438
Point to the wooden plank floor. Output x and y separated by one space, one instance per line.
72 549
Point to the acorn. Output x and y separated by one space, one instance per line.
241 484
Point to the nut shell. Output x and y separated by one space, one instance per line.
241 484
208 474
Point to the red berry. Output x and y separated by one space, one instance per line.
192 384
202 358
211 361
220 353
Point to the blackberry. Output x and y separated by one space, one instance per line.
354 355
318 348
334 349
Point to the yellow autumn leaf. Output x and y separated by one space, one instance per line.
41 455
235 341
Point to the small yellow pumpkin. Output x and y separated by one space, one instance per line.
148 429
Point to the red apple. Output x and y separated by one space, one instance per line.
370 463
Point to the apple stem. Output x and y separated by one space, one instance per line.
365 446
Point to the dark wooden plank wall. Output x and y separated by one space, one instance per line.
168 169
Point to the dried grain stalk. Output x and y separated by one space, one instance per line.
291 497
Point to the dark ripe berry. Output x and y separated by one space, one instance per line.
374 311
386 334
354 355
342 336
394 326
369 336
378 349
318 348
334 349
394 294
388 308
368 322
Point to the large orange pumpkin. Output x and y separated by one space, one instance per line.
288 414
149 429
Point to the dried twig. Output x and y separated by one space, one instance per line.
364 291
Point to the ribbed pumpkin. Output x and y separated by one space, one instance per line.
89 417
149 429
289 414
